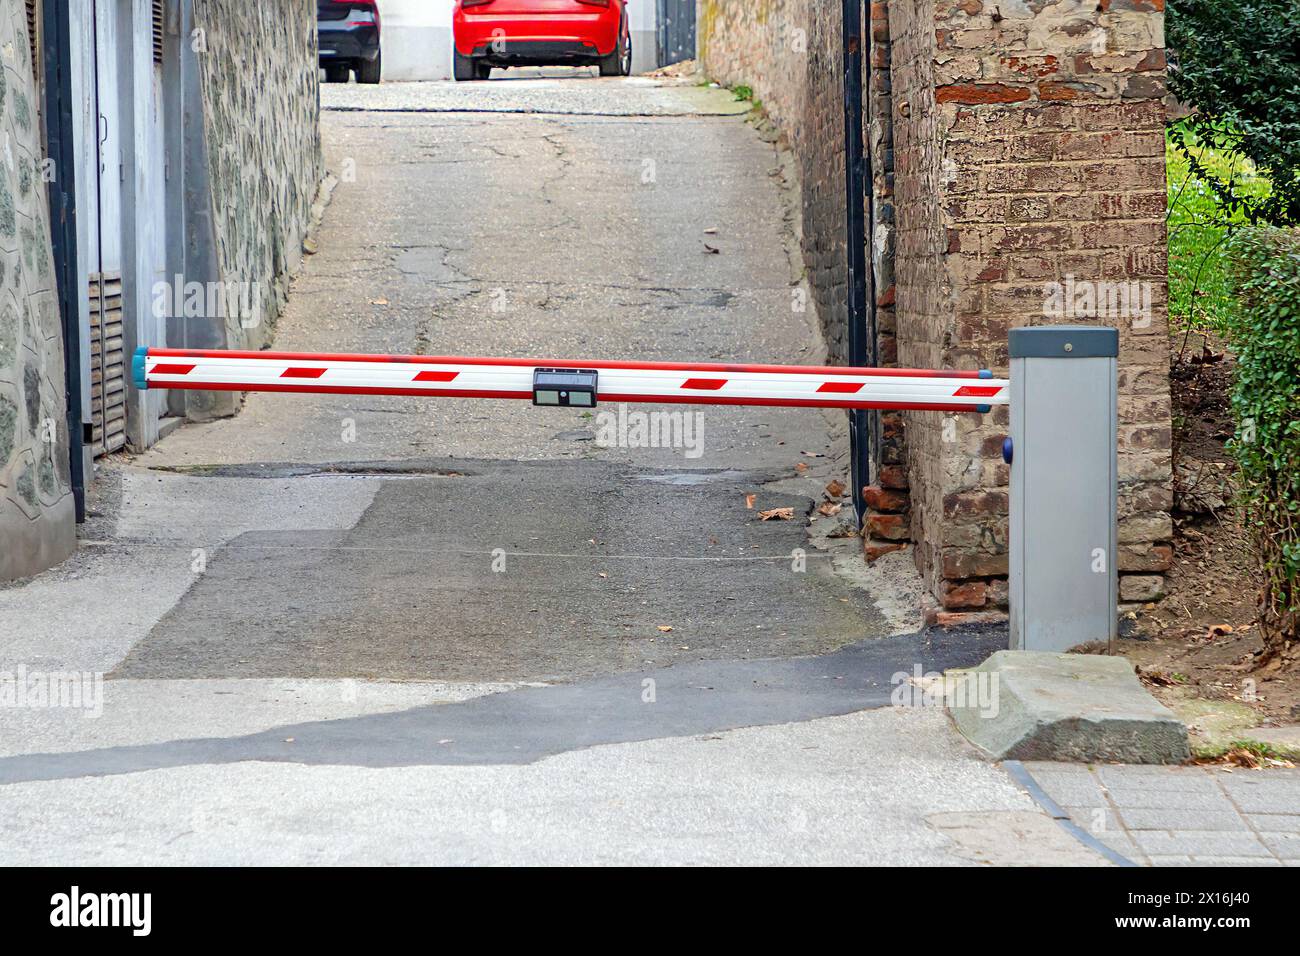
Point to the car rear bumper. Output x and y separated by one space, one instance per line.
348 43
582 34
536 51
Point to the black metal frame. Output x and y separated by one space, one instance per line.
57 49
858 211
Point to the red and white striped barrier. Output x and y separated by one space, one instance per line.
656 382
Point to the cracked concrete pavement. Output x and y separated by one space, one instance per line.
312 655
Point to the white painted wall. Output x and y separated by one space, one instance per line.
643 18
415 38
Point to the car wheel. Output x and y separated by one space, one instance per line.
336 72
368 70
465 67
627 57
619 61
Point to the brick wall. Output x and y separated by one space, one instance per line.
1017 161
1029 167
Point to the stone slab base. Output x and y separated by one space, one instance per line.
1031 705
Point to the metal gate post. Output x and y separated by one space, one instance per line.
1063 573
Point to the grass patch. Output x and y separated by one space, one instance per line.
1253 754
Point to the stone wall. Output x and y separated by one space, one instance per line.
1030 188
37 518
259 80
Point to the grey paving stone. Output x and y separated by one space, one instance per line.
1095 820
1123 844
1205 798
1282 800
1234 861
1275 777
1200 844
1284 845
1170 861
1275 822
1154 778
1057 767
1166 818
1070 791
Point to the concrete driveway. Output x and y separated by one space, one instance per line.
343 629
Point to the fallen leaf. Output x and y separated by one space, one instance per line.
710 250
835 490
829 509
749 501
1156 678
602 574
800 467
781 514
379 301
665 628
711 231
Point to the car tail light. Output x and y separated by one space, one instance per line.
362 11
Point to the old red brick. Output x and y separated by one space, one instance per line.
893 476
974 94
889 527
1158 557
881 499
958 618
965 596
959 504
958 565
1155 60
1048 90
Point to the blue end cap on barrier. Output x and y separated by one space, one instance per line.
984 409
985 373
1008 450
137 367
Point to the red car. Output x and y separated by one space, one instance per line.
492 33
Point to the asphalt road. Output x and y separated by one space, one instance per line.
356 629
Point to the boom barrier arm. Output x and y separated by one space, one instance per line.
657 382
1062 546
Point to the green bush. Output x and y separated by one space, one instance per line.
1237 64
1264 334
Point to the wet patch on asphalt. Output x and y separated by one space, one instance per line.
513 571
